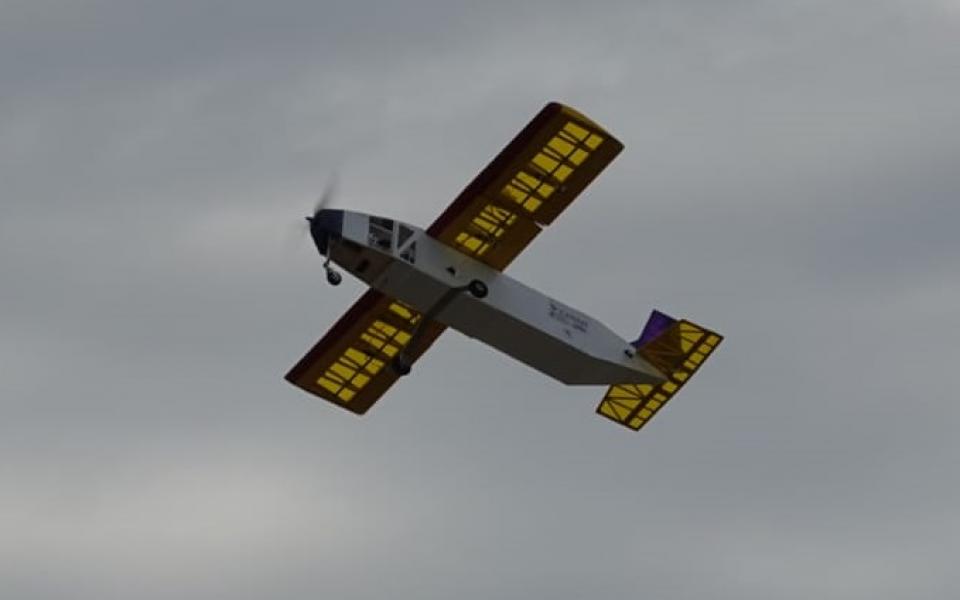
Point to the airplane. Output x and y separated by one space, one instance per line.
451 274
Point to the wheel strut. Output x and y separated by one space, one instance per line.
400 364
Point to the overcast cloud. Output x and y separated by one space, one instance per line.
790 179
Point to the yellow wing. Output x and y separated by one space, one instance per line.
350 365
526 186
678 353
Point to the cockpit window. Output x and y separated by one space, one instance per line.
381 222
403 235
381 232
409 253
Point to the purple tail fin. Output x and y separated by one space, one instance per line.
657 323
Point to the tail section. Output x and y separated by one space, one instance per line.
657 323
677 348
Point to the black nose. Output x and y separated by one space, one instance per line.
326 225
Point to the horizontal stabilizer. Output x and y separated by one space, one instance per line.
677 348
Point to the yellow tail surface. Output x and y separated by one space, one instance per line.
678 353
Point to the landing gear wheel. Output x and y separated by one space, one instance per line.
400 366
334 278
477 289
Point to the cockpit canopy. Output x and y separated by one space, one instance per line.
391 236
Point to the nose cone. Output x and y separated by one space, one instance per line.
326 225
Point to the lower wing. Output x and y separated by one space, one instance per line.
351 366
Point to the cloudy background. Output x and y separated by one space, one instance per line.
790 179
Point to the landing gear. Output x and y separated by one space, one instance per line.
333 278
477 289
400 366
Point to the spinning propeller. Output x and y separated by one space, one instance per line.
327 197
302 230
324 201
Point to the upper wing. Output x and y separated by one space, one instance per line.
527 185
350 366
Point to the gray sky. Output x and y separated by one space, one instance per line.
790 179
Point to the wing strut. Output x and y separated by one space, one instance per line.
400 363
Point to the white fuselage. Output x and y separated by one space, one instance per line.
404 262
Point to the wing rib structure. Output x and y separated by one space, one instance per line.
526 186
350 365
